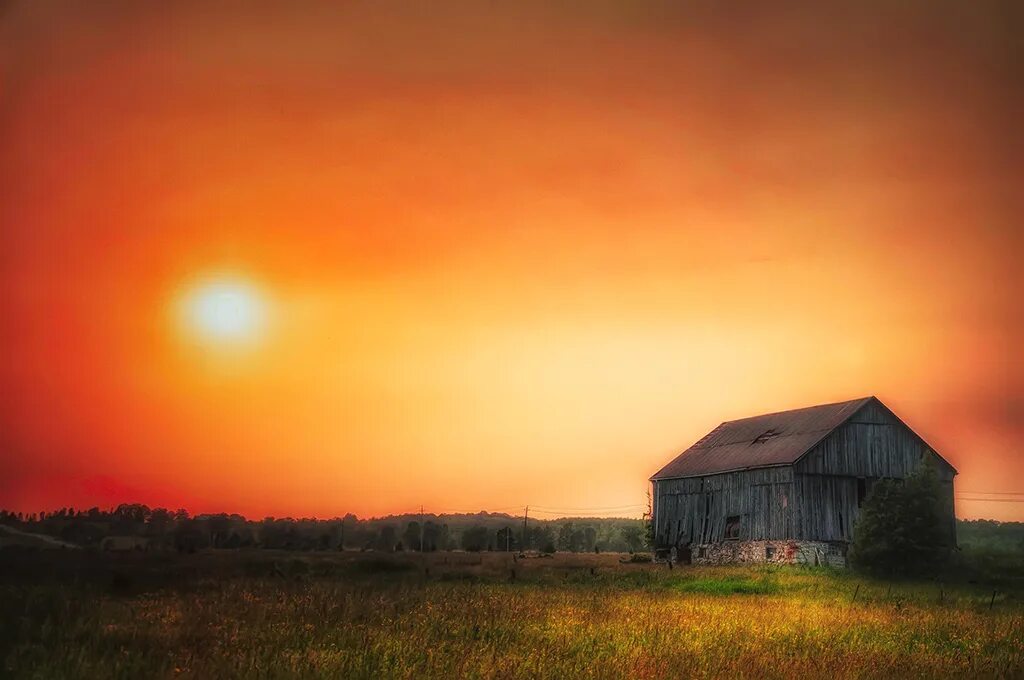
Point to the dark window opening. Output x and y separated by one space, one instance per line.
862 491
769 552
765 436
732 528
702 552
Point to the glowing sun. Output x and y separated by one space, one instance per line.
225 311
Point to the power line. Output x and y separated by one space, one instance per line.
587 507
993 493
622 507
595 508
557 514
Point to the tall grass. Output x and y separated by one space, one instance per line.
555 620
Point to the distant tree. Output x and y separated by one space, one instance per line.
349 527
991 536
328 535
589 539
543 537
476 538
387 538
447 542
278 534
219 527
505 539
435 536
412 536
190 535
633 536
609 538
129 519
159 523
565 537
904 527
363 536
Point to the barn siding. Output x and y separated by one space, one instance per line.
827 507
694 510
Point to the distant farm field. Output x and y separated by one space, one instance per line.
447 615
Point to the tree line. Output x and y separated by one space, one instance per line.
164 529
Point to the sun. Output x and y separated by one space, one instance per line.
225 311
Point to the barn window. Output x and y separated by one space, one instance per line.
765 436
702 552
862 490
732 528
769 551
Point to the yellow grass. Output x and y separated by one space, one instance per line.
336 616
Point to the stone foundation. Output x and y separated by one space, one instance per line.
809 553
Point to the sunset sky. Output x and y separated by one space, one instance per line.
496 253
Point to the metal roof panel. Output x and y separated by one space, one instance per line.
761 441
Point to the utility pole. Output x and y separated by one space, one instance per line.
526 514
421 529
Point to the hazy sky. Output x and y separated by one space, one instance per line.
505 252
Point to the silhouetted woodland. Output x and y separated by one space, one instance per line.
138 527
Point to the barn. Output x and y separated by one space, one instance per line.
785 487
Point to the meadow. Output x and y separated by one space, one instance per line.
222 614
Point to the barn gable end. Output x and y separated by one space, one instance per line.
832 479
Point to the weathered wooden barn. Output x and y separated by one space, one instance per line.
787 486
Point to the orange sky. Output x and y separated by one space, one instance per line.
511 252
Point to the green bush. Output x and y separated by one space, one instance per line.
904 528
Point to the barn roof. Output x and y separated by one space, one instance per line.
761 441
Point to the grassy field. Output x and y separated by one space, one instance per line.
372 615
